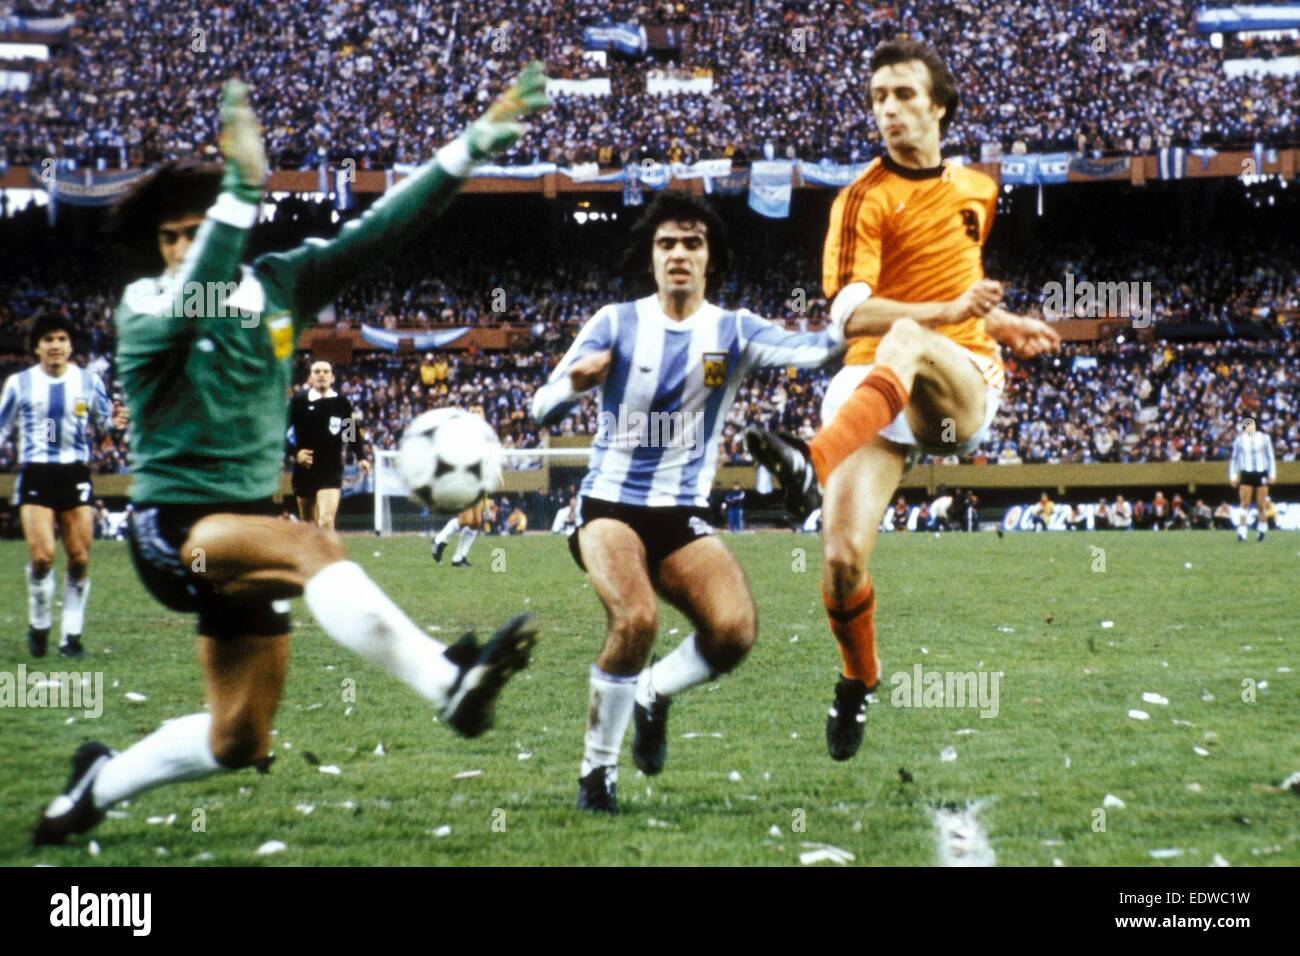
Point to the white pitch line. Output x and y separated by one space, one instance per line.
960 839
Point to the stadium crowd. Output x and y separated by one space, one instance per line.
389 82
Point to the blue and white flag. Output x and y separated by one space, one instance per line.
1020 170
1261 156
733 184
343 188
632 185
771 183
1053 168
1172 162
826 173
323 179
627 38
422 341
1205 154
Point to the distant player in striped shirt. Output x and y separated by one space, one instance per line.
667 367
903 270
1251 469
53 403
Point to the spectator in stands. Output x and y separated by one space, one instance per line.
1041 513
899 517
735 509
1223 517
1121 514
1202 515
1076 521
1178 519
1101 516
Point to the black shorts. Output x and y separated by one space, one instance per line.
156 533
1253 479
661 530
308 481
61 487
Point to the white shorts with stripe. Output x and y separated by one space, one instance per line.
899 430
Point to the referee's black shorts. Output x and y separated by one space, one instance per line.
661 530
308 481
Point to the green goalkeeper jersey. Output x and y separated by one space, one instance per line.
205 356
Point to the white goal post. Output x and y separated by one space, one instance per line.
391 490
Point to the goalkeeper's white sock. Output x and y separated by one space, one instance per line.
467 536
355 613
40 599
450 528
681 670
178 750
608 714
75 596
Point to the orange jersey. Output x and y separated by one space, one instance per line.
913 235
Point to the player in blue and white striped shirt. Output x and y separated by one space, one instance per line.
668 367
1251 469
53 402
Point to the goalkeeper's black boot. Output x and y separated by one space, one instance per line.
596 792
74 810
789 459
846 721
38 639
471 704
650 736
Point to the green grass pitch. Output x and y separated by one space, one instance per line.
1196 617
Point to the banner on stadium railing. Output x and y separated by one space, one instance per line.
1248 17
735 184
593 86
590 173
771 183
662 84
43 26
826 173
1277 66
627 38
421 341
1171 162
1099 168
1035 169
84 187
531 171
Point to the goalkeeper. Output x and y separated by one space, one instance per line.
206 390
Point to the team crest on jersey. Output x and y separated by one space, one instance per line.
336 424
281 328
80 408
715 369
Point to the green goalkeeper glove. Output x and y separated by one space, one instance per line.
241 144
500 128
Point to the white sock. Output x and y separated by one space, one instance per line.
75 596
1253 519
467 536
355 613
1242 525
178 750
681 670
40 599
608 715
450 528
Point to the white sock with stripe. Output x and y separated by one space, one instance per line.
40 599
178 750
608 714
75 595
355 613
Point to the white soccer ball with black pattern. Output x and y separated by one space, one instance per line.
449 458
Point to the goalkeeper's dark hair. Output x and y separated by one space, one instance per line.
943 85
175 190
47 321
670 206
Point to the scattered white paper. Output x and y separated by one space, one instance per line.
1112 802
948 754
332 770
1139 715
466 774
1153 698
272 846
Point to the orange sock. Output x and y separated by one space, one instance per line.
873 405
854 625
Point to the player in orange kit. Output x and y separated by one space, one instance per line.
923 373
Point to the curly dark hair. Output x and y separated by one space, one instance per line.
671 206
943 85
176 189
43 323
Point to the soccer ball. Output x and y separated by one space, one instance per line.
449 458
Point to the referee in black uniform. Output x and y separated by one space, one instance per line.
320 424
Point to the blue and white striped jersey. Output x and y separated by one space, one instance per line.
52 414
665 399
1252 453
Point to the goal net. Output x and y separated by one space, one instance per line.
532 469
